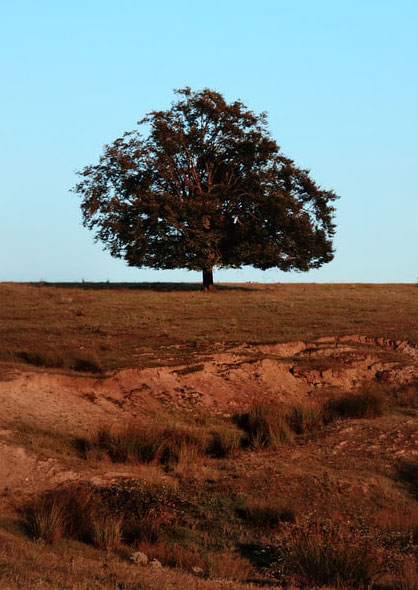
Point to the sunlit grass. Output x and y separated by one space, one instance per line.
132 326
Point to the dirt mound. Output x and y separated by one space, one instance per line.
231 379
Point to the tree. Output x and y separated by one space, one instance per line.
206 187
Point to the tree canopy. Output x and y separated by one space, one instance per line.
206 186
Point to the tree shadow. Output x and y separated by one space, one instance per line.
158 287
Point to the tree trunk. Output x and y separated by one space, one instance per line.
208 280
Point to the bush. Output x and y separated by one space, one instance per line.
406 396
328 555
148 527
88 363
265 426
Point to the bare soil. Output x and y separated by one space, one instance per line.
347 470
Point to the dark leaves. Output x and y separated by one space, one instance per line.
206 187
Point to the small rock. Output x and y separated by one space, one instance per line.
139 558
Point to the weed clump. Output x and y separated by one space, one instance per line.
224 442
149 443
106 531
306 418
165 445
328 554
44 518
265 427
364 404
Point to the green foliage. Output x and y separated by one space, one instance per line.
207 187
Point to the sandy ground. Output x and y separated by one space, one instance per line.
222 383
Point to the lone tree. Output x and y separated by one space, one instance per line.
206 187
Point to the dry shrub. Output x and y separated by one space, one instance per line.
41 359
408 472
148 527
406 396
265 427
228 566
88 363
329 554
72 513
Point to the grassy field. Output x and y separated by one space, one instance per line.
317 491
109 326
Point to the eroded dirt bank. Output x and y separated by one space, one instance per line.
349 467
222 382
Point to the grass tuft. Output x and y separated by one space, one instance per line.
224 442
45 518
326 554
265 427
106 531
364 404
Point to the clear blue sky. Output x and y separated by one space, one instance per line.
339 80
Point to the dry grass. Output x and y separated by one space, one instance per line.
196 498
266 513
408 575
329 554
362 404
229 566
401 523
163 442
114 325
265 427
70 565
106 531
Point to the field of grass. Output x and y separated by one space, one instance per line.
96 327
318 491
